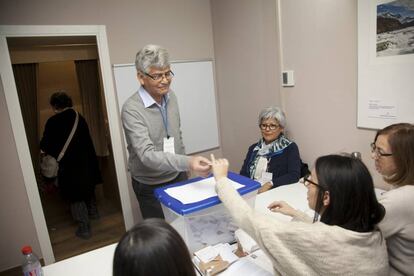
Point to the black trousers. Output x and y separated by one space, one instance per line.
148 203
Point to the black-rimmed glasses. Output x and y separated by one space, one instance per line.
158 77
305 181
270 126
378 153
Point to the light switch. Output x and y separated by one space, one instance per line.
287 78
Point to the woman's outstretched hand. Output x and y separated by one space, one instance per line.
282 207
220 167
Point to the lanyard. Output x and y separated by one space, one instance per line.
164 115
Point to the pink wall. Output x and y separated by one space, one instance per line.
16 227
245 44
319 40
182 26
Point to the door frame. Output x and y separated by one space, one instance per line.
16 119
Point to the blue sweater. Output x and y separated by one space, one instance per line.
285 166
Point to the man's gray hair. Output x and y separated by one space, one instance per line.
273 112
151 56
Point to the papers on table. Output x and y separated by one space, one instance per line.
210 252
254 264
197 191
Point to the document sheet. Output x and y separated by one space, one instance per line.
197 191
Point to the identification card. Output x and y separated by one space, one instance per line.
169 145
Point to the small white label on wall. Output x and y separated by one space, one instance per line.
382 110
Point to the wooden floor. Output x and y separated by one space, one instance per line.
106 230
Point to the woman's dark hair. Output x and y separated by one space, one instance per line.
60 100
353 204
401 140
152 247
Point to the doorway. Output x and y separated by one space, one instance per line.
112 196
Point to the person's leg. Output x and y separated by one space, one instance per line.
92 207
80 214
148 203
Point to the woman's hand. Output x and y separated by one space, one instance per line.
266 187
282 207
220 167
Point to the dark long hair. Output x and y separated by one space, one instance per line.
353 204
401 140
152 247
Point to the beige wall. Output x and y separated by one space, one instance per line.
182 26
16 227
245 44
320 44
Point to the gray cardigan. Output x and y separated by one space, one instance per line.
145 132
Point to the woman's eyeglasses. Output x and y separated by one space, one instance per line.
270 126
305 181
378 153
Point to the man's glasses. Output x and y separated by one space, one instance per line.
378 153
305 181
270 126
158 77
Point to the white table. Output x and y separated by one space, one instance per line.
99 261
293 194
95 262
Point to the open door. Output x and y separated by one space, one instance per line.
15 112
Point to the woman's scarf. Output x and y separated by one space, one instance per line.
263 150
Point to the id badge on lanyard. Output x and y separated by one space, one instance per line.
168 145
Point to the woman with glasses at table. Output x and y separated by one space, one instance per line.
393 153
274 160
344 241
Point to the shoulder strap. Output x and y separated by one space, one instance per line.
75 125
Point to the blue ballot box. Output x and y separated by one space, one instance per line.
204 222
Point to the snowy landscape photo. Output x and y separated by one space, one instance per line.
395 28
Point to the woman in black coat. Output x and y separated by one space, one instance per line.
78 169
274 160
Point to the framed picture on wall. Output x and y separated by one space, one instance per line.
385 62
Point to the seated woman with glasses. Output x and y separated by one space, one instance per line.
393 153
274 160
152 247
345 241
